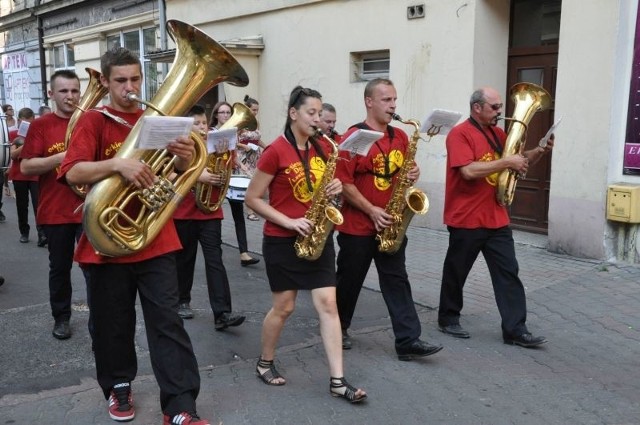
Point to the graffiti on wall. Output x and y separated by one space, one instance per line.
15 74
632 142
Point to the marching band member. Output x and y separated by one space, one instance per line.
290 169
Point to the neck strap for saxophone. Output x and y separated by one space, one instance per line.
385 155
116 118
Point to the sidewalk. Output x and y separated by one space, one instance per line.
588 373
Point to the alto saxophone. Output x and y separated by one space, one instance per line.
405 200
323 213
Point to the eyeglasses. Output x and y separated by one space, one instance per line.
224 112
496 106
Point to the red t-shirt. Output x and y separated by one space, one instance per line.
471 204
188 210
288 191
57 203
14 171
97 137
359 172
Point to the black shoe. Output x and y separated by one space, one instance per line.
1 280
454 330
42 241
2 217
184 311
416 349
346 340
62 330
245 263
24 238
526 340
228 319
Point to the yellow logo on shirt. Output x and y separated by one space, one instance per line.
298 181
492 179
112 149
396 159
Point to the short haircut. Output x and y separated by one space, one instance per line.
67 74
328 107
477 97
196 110
25 114
368 90
118 56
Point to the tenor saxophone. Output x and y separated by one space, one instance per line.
323 213
405 200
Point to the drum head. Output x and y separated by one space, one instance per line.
5 146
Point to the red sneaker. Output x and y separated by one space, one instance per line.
121 403
184 418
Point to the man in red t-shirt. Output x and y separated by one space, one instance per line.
477 223
24 185
58 206
368 183
150 272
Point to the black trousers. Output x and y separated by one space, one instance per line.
114 288
61 244
498 249
209 234
354 260
23 189
237 211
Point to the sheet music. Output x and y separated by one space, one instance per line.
359 142
222 140
543 142
440 122
24 128
158 131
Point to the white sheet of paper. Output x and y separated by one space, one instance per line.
359 142
222 140
543 142
158 131
440 122
24 128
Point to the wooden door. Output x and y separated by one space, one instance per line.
538 65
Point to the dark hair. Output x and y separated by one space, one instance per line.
196 110
214 114
5 107
298 97
25 114
42 108
248 101
67 74
328 107
117 56
368 90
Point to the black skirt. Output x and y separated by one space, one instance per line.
286 271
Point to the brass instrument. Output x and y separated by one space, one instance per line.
529 99
323 213
222 162
92 95
120 219
405 200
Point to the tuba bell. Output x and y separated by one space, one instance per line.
92 95
222 162
120 219
528 98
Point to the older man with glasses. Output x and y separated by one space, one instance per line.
477 223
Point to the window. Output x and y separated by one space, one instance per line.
366 66
141 41
64 56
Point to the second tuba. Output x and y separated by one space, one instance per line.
528 98
222 162
120 219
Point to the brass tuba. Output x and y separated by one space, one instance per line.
528 98
323 213
222 162
111 227
92 95
405 200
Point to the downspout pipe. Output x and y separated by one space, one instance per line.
162 15
43 61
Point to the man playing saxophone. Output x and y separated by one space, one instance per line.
149 272
368 185
478 223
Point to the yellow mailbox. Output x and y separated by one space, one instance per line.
623 202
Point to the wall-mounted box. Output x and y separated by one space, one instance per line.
623 202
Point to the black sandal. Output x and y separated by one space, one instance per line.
338 384
269 375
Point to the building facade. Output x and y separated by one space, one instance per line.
436 52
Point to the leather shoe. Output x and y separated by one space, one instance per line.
526 340
245 263
184 311
24 238
62 330
228 319
417 348
454 330
346 340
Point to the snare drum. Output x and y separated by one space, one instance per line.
5 146
238 185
